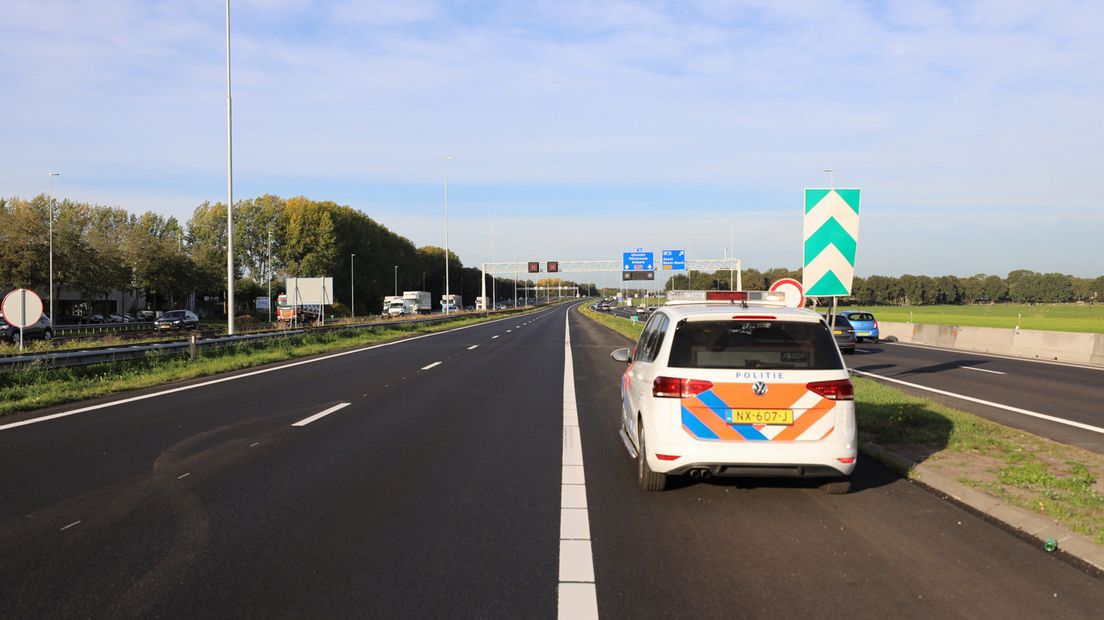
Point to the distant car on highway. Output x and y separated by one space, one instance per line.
177 319
42 329
866 326
844 333
718 389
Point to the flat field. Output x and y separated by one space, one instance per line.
1086 318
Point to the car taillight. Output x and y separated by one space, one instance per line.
839 389
875 325
673 387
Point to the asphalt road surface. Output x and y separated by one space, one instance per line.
1059 401
431 488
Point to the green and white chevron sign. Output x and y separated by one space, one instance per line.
831 236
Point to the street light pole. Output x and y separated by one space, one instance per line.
229 188
270 273
446 159
494 290
396 280
352 284
50 204
731 251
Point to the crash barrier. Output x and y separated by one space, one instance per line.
1035 344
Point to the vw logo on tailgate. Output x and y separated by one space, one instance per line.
759 388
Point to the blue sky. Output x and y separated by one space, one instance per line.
974 128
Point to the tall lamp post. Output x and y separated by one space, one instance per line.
50 203
352 284
270 273
396 280
494 290
446 159
229 188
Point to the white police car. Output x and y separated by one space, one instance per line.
734 383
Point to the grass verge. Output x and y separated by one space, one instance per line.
35 388
1061 482
1082 318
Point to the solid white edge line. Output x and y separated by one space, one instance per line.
1041 416
576 595
321 414
252 373
994 372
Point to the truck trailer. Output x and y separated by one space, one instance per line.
421 301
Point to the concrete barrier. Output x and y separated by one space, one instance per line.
1097 356
1061 346
985 339
938 335
901 331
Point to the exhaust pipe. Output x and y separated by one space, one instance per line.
700 473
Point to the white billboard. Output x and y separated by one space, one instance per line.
309 291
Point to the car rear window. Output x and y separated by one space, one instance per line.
754 344
861 316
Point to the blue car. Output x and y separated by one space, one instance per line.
866 326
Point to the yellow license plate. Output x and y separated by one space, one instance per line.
838 332
781 417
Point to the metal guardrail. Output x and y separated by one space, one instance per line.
102 328
62 359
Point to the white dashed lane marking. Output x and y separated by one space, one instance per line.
321 414
473 347
994 372
431 365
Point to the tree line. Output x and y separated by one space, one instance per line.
99 249
1020 286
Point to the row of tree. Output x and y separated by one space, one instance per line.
1020 286
98 249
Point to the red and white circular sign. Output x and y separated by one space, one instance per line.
22 308
795 295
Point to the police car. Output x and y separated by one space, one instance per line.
734 383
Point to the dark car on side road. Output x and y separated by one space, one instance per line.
42 329
177 319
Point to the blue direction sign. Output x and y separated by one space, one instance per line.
674 260
638 261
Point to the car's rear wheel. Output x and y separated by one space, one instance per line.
836 486
648 479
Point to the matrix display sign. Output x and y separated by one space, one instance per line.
534 267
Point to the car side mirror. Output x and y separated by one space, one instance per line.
622 355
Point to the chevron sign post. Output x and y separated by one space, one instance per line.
831 236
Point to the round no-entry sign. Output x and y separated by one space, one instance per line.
795 295
22 308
